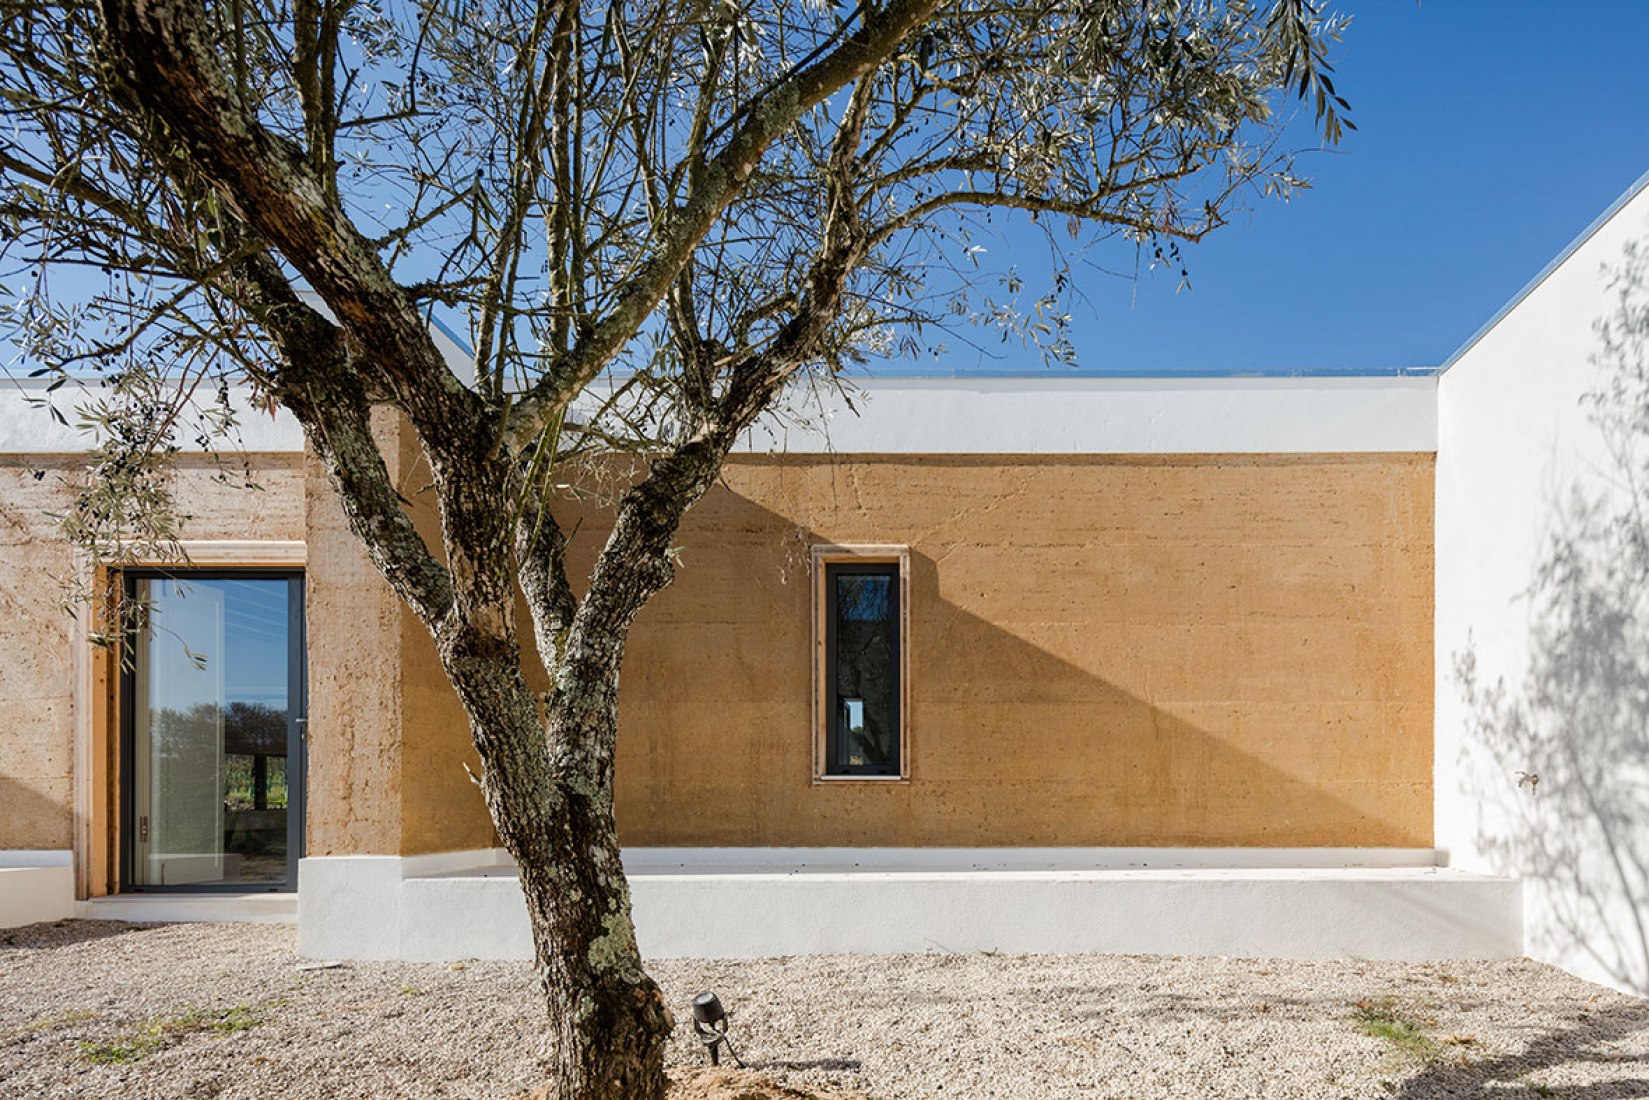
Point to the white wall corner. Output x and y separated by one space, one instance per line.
349 907
1541 763
35 886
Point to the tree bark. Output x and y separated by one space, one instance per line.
547 765
608 1019
552 802
547 776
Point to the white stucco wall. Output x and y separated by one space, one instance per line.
1030 415
1086 415
35 886
1540 608
27 427
763 902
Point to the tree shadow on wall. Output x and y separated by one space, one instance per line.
1068 685
1573 737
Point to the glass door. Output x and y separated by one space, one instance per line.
212 747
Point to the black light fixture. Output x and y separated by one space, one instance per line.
710 1022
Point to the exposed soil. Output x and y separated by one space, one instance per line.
741 1084
100 1009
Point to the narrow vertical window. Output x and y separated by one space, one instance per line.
862 694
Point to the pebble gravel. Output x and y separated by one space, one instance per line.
104 1009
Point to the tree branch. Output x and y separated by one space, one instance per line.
325 395
724 177
158 56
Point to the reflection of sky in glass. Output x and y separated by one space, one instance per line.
866 678
254 634
863 599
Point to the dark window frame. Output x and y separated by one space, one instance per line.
297 741
831 562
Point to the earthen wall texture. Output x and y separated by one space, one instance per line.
1168 650
36 677
1103 651
390 758
1135 650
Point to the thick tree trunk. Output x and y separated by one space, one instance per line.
550 795
607 1019
547 763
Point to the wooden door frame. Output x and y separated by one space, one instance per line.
95 704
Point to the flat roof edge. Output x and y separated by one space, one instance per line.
1096 375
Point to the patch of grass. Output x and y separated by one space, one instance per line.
238 1018
163 1031
49 1021
122 1052
1381 1020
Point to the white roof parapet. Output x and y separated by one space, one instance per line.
1026 415
1043 415
26 428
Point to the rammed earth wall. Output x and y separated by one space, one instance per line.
37 688
1174 650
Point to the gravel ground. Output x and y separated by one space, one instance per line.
100 1009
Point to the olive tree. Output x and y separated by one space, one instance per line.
655 218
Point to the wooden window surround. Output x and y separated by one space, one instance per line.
833 762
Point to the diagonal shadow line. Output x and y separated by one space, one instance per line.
1020 733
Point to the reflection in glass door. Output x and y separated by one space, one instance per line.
212 750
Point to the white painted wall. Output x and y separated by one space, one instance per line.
752 903
1115 416
28 428
1557 688
35 885
980 416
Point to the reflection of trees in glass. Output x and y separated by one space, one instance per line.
184 749
241 785
232 758
185 745
866 653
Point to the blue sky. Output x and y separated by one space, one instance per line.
1491 133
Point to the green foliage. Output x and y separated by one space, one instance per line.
1381 1020
119 1053
516 167
653 222
162 1032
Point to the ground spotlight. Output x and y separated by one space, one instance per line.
710 1021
